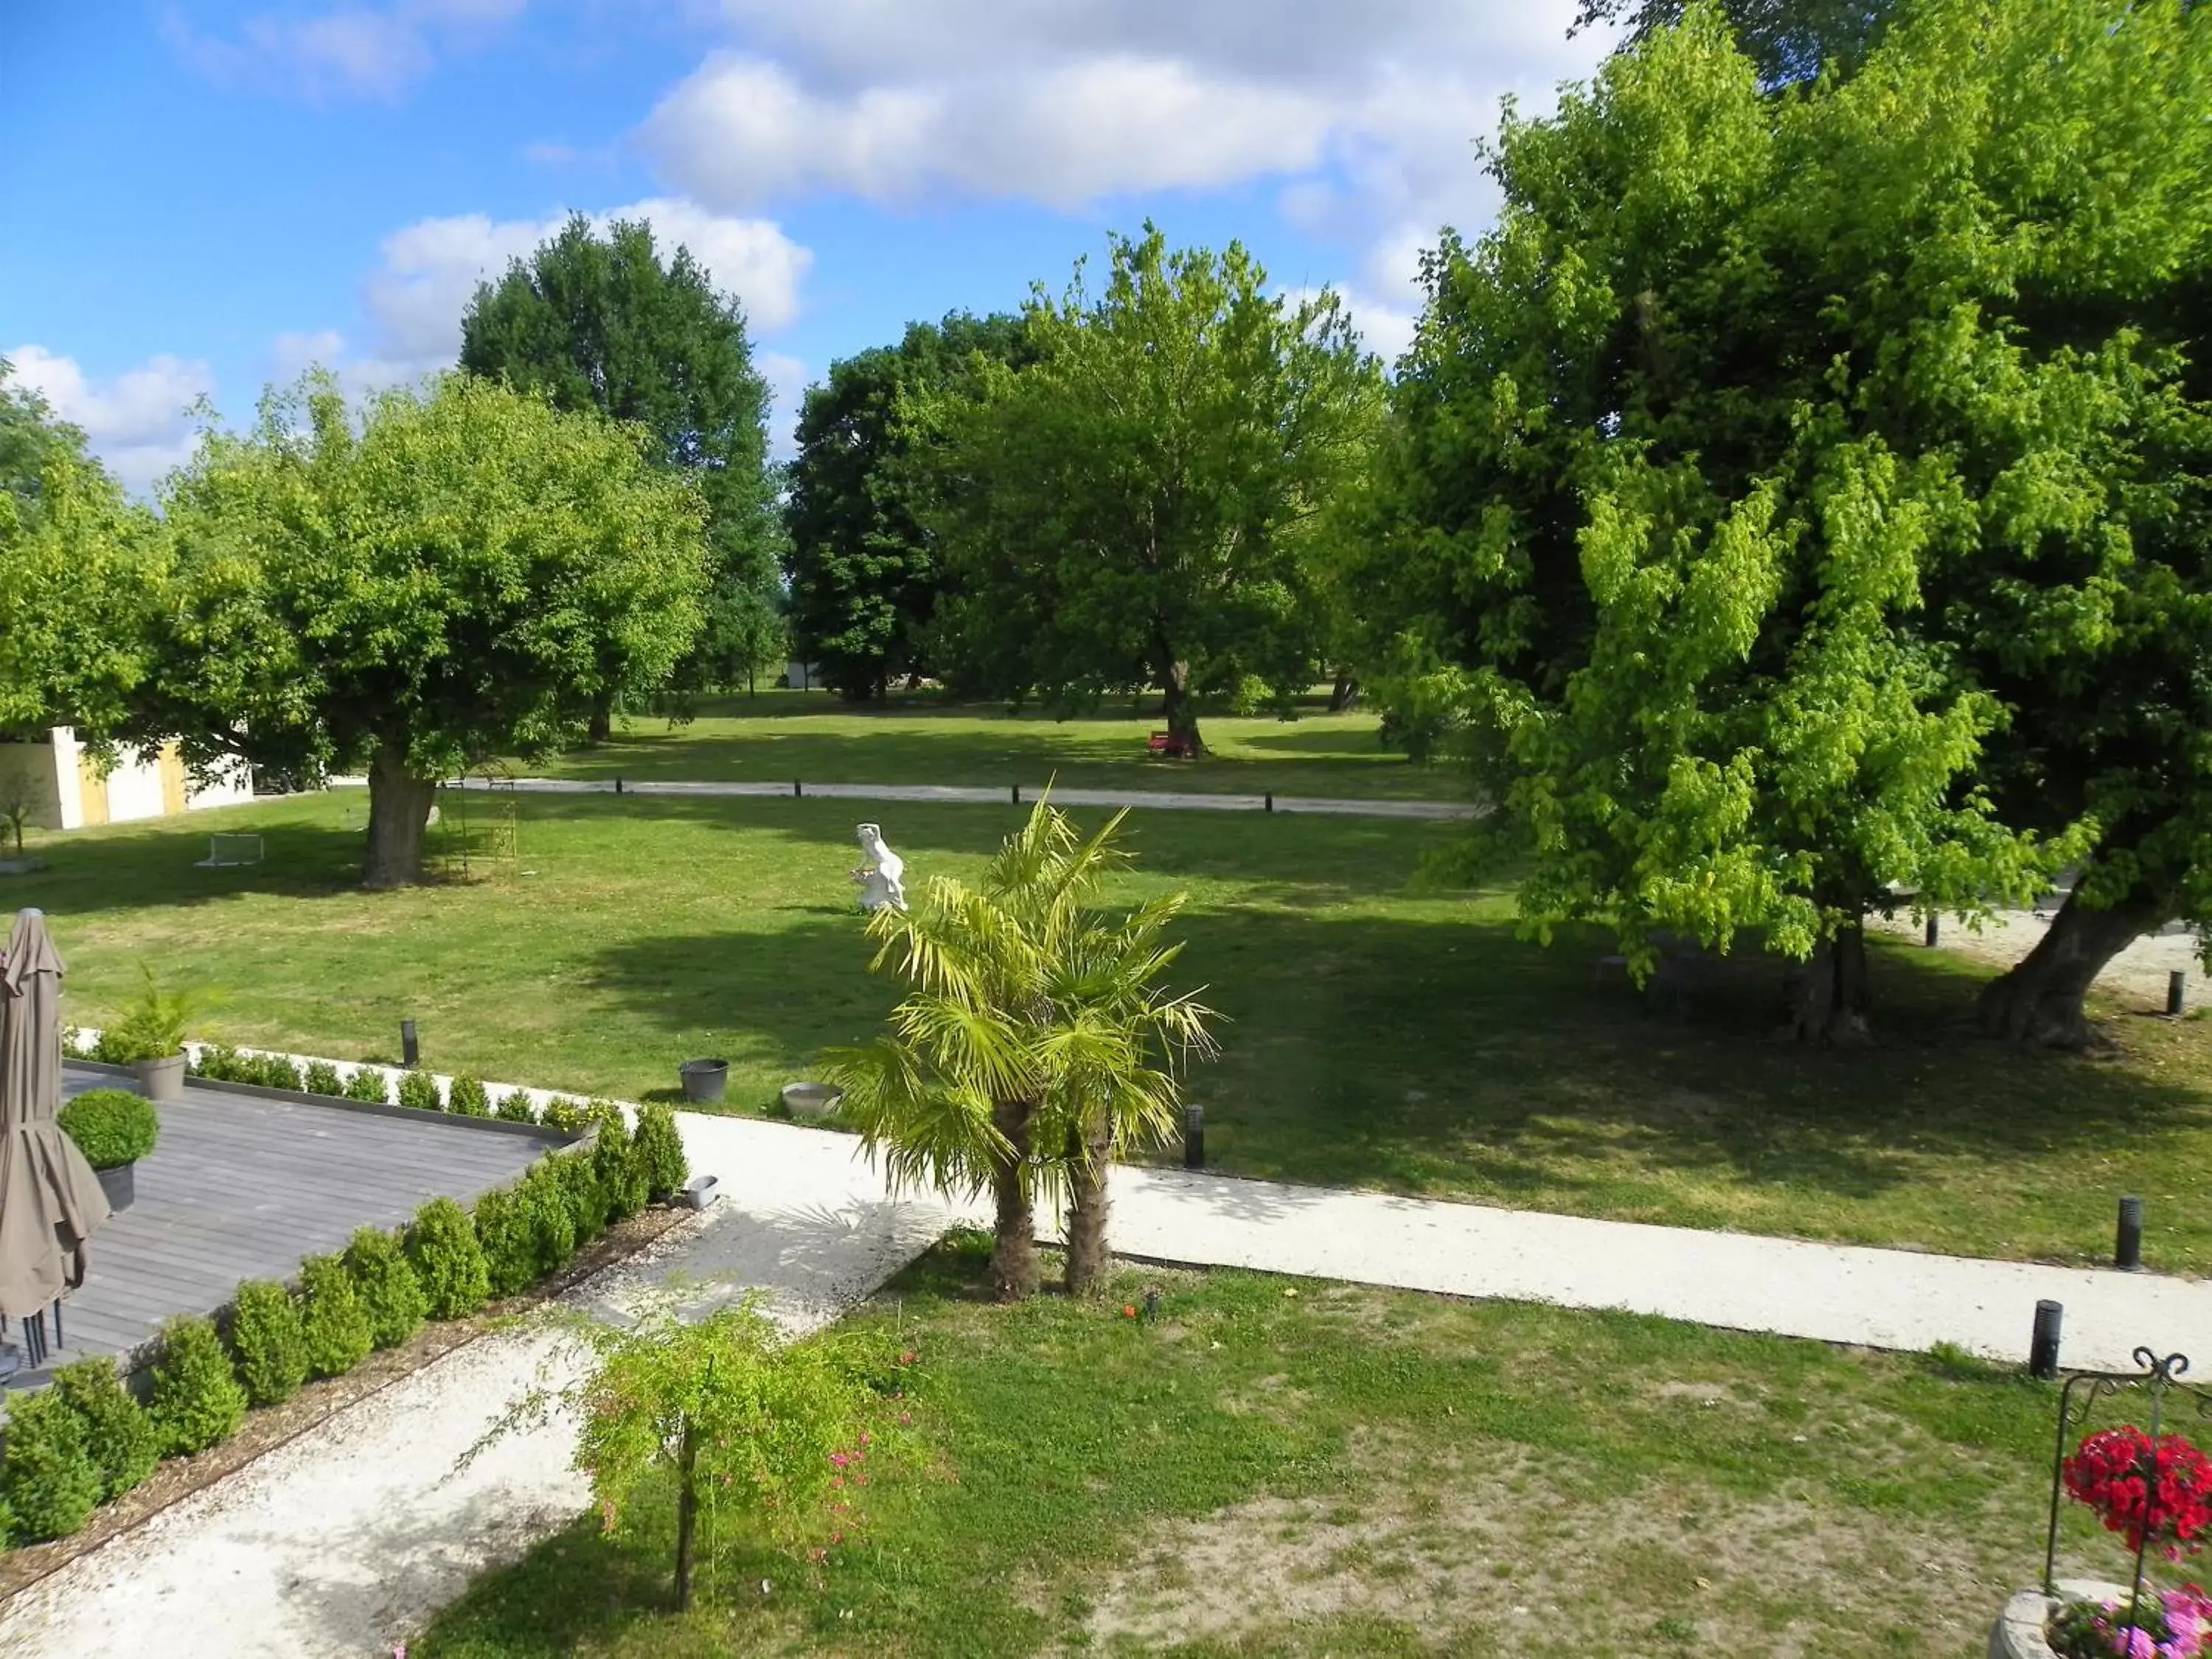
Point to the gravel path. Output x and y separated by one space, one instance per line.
2138 973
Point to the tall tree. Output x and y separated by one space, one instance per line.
1137 506
1789 40
865 574
1036 1042
601 322
471 573
1732 465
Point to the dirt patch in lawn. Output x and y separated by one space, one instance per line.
1492 1548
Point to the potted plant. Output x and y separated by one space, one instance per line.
150 1039
113 1128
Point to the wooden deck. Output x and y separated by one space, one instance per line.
241 1188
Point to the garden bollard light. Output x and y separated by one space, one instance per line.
2127 1245
1015 791
617 786
1151 1305
1931 933
1270 801
2176 994
410 1051
2042 1350
1193 1137
794 789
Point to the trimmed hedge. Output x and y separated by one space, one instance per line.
118 1433
514 1106
333 1322
443 1247
467 1097
508 1237
569 1116
110 1126
322 1078
270 1341
46 1469
197 1400
420 1090
390 1295
367 1084
659 1146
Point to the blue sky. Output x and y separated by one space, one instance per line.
201 198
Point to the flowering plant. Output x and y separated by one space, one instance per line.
2174 1625
2143 1491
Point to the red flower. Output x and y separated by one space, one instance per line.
2161 1492
1128 1313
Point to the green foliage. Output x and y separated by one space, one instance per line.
865 576
321 1078
506 1232
514 1106
620 1171
419 1089
1789 40
334 1325
270 1340
602 323
389 1290
566 1114
555 1199
467 571
110 1126
118 1433
155 1027
465 1096
368 1084
218 1061
47 1472
443 1247
658 1148
276 1072
1142 505
197 1400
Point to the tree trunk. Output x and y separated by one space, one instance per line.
2039 1001
1345 694
602 722
1088 1167
1181 711
687 1512
1832 1003
398 807
1014 1272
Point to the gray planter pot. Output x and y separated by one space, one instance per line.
163 1080
704 1079
810 1103
2018 1633
120 1184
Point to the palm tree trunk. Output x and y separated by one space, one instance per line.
1014 1272
1088 1166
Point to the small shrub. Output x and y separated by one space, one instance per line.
577 1179
467 1097
332 1318
117 1430
322 1078
217 1060
270 1342
448 1259
659 1146
622 1174
110 1126
420 1090
507 1231
114 1048
565 1114
558 1194
273 1072
196 1399
367 1084
514 1106
155 1028
390 1293
46 1469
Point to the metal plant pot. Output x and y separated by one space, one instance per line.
120 1184
704 1080
163 1080
810 1103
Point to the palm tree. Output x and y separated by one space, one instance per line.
1034 1045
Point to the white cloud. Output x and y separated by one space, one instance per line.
137 423
428 273
295 353
351 51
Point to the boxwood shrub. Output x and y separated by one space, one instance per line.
218 1061
565 1114
270 1342
621 1173
118 1433
506 1229
391 1293
467 1097
659 1146
46 1469
367 1082
420 1090
448 1259
272 1071
514 1106
110 1126
197 1400
332 1321
322 1078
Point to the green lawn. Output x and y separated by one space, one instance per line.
1279 1468
1377 1035
777 736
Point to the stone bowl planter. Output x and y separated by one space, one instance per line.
2018 1633
704 1080
163 1080
810 1103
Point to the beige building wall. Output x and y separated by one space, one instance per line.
65 789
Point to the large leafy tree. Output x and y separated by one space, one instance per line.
865 574
1789 40
603 322
1036 1044
471 572
1140 505
1728 469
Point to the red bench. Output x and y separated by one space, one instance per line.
1167 743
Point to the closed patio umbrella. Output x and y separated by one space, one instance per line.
49 1199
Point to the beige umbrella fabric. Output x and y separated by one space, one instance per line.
49 1199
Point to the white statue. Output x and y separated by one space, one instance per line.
880 878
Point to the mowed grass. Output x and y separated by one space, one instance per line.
776 736
1375 1033
1287 1468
